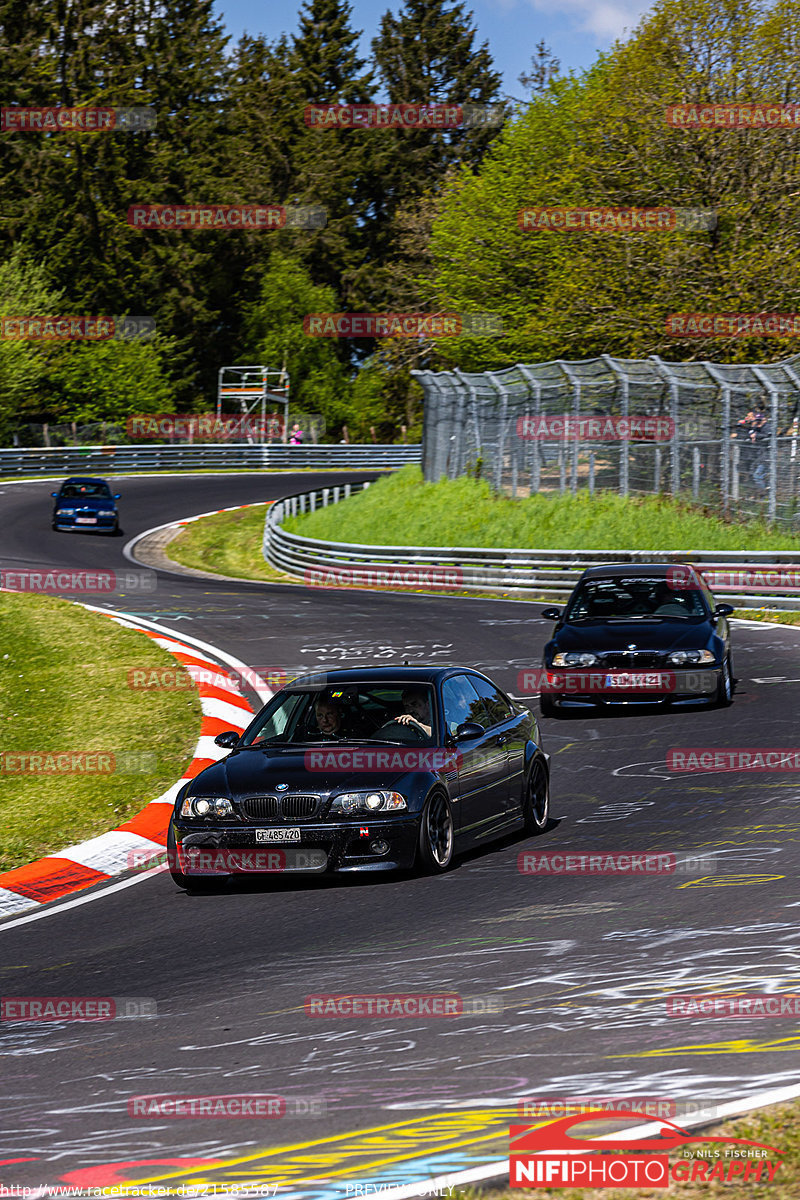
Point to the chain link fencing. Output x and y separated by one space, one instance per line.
725 435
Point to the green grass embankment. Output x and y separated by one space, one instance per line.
65 687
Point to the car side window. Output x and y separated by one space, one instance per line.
461 703
495 703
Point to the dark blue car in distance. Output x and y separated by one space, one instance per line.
86 503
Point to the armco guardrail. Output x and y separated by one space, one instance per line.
547 573
105 460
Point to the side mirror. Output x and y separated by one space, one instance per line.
117 495
228 739
467 730
54 495
723 610
551 614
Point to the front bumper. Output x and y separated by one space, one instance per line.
597 687
323 847
69 525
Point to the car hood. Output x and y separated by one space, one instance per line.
603 636
245 772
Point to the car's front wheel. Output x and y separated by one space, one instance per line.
725 684
436 835
536 807
547 706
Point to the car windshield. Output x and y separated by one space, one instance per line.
635 597
85 491
390 713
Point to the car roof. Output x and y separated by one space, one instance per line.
419 673
629 570
84 479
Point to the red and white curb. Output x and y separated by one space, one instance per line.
145 835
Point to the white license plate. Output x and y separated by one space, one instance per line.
86 520
278 835
649 682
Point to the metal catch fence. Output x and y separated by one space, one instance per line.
722 434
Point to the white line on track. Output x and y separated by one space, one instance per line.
98 895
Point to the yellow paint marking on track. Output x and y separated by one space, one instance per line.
734 1046
728 881
373 1148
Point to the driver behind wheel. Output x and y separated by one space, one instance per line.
417 710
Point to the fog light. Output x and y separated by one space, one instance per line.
379 847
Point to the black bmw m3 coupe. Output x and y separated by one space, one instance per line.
364 770
645 634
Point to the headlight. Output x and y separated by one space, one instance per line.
362 802
106 512
65 512
681 657
574 660
206 806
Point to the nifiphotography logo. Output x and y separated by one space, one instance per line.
549 1156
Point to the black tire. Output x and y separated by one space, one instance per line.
547 706
436 836
536 805
172 860
725 684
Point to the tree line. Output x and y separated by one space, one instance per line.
229 130
417 220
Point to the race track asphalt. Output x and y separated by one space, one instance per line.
584 965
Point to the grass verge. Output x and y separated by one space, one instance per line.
777 1126
401 510
64 687
228 543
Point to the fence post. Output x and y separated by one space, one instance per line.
735 471
536 466
772 391
591 472
624 398
500 388
695 472
576 412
